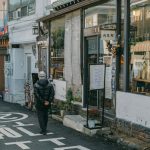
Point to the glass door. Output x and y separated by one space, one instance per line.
93 58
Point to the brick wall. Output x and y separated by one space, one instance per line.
131 129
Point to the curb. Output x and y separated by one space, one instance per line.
127 142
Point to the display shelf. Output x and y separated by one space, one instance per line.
57 57
141 80
140 92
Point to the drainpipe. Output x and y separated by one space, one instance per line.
49 48
85 75
126 44
118 51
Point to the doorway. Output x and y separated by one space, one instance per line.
29 68
93 54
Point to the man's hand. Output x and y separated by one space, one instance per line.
46 103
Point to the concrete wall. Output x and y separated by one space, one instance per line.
72 70
72 48
133 108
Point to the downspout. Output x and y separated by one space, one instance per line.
49 48
126 44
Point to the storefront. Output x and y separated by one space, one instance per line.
133 105
83 34
99 40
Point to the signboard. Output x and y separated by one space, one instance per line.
97 77
60 2
108 89
60 89
108 35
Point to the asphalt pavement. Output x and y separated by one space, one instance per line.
19 130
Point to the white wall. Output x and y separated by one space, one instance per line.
20 31
28 52
72 48
134 108
18 63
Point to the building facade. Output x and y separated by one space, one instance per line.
75 42
115 33
22 46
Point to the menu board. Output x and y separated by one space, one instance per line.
97 77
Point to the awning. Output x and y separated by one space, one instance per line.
141 47
83 3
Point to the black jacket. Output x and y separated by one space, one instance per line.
43 91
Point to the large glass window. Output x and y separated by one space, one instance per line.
57 48
140 47
101 14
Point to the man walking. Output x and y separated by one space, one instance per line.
44 94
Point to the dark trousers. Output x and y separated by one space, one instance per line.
43 119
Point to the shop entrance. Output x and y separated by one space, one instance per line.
93 48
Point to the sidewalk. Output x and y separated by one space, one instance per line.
77 123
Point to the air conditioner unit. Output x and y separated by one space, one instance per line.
17 14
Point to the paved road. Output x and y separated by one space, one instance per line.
19 130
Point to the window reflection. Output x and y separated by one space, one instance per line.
101 14
57 48
140 48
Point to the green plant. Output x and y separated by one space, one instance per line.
69 100
61 105
58 38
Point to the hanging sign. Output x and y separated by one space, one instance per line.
108 35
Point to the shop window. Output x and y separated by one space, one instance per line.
57 48
140 48
101 14
100 47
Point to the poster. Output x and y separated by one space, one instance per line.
97 77
108 88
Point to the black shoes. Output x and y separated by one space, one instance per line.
43 132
